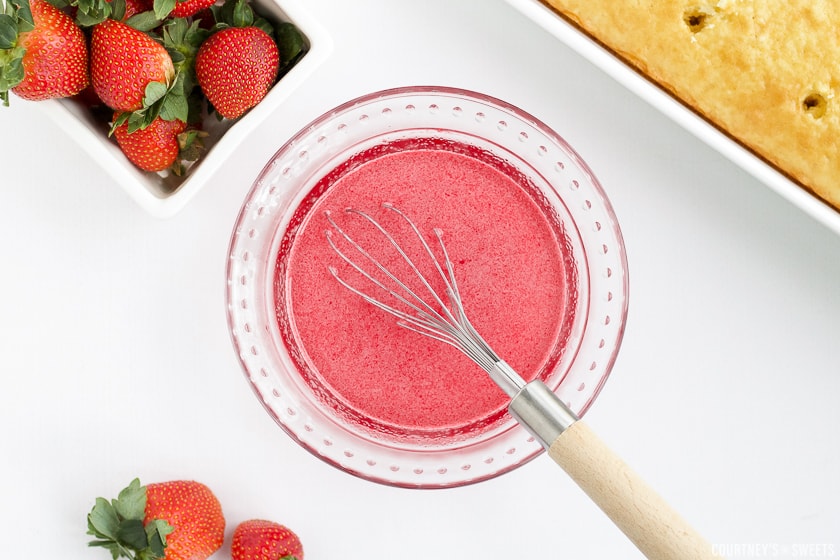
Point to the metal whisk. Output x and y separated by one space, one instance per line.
443 319
657 530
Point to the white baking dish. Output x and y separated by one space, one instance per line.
638 84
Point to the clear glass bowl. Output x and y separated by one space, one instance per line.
534 150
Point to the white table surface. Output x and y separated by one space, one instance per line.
115 360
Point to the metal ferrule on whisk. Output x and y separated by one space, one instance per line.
541 412
533 405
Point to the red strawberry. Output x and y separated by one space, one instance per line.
195 513
258 539
235 68
51 48
134 7
180 520
123 61
153 148
189 8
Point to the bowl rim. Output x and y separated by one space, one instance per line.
396 93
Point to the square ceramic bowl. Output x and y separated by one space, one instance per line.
163 196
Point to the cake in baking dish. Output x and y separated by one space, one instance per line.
763 71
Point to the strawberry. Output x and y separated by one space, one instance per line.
195 513
258 539
180 520
189 8
134 7
43 53
167 9
123 62
236 67
153 148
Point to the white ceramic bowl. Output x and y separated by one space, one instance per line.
164 196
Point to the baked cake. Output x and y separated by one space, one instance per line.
763 71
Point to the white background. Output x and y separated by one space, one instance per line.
115 360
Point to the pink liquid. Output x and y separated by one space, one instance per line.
515 278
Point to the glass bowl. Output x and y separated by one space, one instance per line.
528 149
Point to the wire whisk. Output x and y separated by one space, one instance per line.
440 317
653 526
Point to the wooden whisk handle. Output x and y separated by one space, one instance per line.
658 531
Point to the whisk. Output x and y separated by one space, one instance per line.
647 520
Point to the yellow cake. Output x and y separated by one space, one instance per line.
763 71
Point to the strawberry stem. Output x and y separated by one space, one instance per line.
15 18
119 527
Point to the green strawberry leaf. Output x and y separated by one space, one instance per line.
8 31
144 21
123 117
290 42
162 8
11 71
132 534
196 35
233 13
243 15
103 521
154 93
131 502
91 12
138 120
265 25
175 31
117 9
114 548
182 41
23 15
156 532
174 107
178 58
91 17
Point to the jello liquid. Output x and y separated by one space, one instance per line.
514 276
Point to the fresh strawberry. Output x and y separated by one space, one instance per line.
236 67
134 7
195 513
179 520
153 148
167 9
258 539
43 53
123 62
189 8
